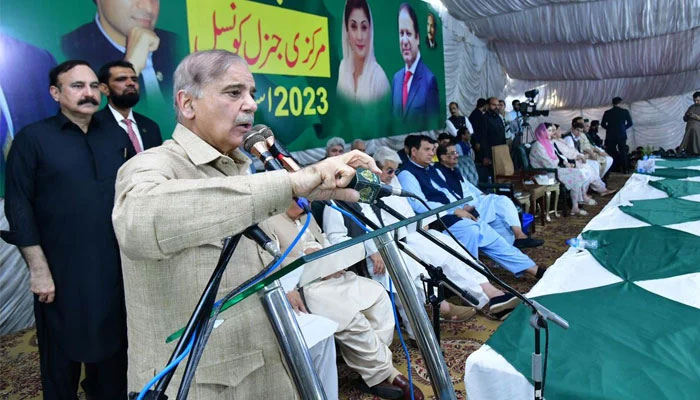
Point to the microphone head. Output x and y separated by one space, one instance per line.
264 130
250 139
367 183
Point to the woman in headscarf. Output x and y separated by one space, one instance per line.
543 155
360 78
591 168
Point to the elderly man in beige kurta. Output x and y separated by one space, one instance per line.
360 306
174 204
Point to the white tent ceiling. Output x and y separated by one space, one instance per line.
636 49
579 54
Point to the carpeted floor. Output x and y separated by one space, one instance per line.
19 359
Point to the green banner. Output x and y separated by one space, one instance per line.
322 68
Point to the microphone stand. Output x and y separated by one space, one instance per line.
434 286
417 317
197 319
281 316
540 314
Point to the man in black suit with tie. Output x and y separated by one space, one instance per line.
125 29
616 121
119 82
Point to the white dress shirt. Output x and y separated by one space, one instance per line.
120 121
412 68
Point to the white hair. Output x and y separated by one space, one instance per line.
357 141
334 141
198 69
384 154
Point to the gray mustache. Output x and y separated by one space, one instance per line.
244 119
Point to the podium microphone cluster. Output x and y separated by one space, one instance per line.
260 142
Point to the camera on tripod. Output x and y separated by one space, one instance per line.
528 108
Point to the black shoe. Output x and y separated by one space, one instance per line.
540 272
528 242
505 302
383 390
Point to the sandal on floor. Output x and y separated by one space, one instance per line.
580 212
457 313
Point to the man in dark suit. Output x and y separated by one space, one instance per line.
430 37
125 29
495 132
616 121
414 90
119 82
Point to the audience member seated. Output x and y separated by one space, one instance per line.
407 142
337 231
497 211
592 134
359 306
457 121
591 168
420 177
335 146
359 144
465 277
543 155
578 140
465 162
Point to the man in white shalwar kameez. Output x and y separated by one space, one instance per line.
360 307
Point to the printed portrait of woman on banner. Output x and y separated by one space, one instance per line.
360 78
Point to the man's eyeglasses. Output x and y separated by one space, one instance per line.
390 171
452 153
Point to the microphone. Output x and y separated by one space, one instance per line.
277 149
369 186
254 143
366 182
257 235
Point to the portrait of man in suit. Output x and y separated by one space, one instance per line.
430 28
125 29
120 84
414 87
23 95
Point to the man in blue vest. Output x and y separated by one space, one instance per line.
420 177
497 211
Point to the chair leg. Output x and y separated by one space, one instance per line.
542 207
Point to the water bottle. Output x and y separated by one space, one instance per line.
582 243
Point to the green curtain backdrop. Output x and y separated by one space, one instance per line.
623 343
650 252
677 188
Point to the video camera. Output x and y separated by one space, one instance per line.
528 108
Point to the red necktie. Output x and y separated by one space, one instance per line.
132 135
404 89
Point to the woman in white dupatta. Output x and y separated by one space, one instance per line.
360 78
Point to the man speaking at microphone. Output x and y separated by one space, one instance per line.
174 204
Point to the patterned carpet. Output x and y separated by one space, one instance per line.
19 358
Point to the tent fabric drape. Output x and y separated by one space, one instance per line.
16 300
579 54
